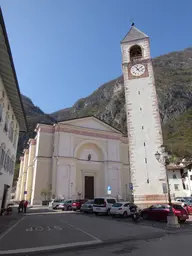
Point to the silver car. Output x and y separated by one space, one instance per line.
87 207
56 203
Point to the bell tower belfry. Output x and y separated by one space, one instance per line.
148 176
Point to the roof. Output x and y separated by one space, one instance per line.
83 117
9 78
134 34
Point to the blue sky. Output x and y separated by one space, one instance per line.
63 50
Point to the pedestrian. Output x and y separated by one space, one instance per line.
25 206
20 208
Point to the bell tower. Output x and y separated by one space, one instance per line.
148 176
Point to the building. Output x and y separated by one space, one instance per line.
79 158
12 116
177 188
86 157
148 176
187 178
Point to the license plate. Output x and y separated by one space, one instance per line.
98 209
184 215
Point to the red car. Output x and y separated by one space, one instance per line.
76 205
188 207
160 212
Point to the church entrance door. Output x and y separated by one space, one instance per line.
89 187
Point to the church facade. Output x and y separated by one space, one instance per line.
84 158
80 158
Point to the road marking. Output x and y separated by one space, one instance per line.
39 228
79 229
12 227
45 213
47 248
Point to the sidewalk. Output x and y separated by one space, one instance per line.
9 220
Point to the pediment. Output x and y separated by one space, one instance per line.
91 123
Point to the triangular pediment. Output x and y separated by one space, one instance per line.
91 123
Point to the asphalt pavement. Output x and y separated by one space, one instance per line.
45 230
170 245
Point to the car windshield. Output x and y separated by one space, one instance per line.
117 205
90 202
111 201
99 201
177 207
57 201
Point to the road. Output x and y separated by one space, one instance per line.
171 245
43 230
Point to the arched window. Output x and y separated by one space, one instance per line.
11 131
15 138
2 154
1 112
135 52
7 161
6 123
12 165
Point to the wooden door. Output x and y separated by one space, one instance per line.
89 187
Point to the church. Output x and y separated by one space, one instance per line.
87 158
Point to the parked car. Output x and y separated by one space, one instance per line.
68 205
188 206
180 199
61 205
103 205
76 205
87 207
56 202
122 209
160 212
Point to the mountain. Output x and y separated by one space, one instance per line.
173 76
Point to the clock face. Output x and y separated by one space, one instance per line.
138 70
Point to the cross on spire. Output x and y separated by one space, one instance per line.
132 22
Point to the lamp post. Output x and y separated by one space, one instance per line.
172 220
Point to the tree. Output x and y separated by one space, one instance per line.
45 193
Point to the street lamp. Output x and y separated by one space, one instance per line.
162 157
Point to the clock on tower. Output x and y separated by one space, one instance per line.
147 175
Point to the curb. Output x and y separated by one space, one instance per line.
81 246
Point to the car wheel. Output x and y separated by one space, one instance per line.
125 214
145 216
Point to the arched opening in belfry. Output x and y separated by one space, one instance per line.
135 52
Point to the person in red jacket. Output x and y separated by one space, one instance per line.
25 206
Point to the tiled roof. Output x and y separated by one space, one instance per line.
9 78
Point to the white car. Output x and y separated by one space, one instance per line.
103 205
56 203
121 209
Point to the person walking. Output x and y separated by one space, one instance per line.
25 206
20 208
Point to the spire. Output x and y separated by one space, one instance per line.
133 34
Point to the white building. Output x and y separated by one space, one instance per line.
175 180
12 117
187 179
143 121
